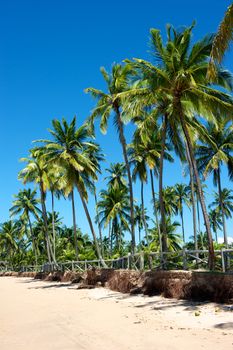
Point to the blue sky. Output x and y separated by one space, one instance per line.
50 51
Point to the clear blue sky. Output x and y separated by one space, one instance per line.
51 50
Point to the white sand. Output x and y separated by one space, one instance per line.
40 315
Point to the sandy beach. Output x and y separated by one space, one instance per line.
56 316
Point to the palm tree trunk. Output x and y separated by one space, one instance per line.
123 144
198 214
44 215
192 199
155 209
143 214
33 238
74 225
99 226
110 238
161 203
91 227
53 226
200 192
222 208
182 224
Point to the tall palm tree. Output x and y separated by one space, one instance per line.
215 151
215 222
170 201
114 210
221 41
180 79
141 219
181 191
117 82
226 206
36 171
116 177
25 203
145 152
71 149
191 191
55 187
9 233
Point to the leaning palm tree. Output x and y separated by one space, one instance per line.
72 150
221 41
117 82
213 153
179 79
26 203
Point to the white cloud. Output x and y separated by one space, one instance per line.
229 239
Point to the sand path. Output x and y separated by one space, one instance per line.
40 315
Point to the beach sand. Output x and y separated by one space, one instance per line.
39 315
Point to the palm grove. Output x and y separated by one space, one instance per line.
181 105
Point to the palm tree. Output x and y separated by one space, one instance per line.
170 201
141 219
55 187
215 222
25 203
116 177
36 171
144 153
223 204
179 80
72 149
9 233
221 41
215 151
117 82
174 238
181 191
114 212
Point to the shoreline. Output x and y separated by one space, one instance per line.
53 315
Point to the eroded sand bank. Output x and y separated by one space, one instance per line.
40 315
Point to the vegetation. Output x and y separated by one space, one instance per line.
176 111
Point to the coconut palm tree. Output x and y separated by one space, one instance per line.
144 153
170 201
26 203
116 177
226 206
9 234
72 149
55 187
141 219
181 191
221 42
108 103
215 222
174 238
114 211
179 79
216 151
36 171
